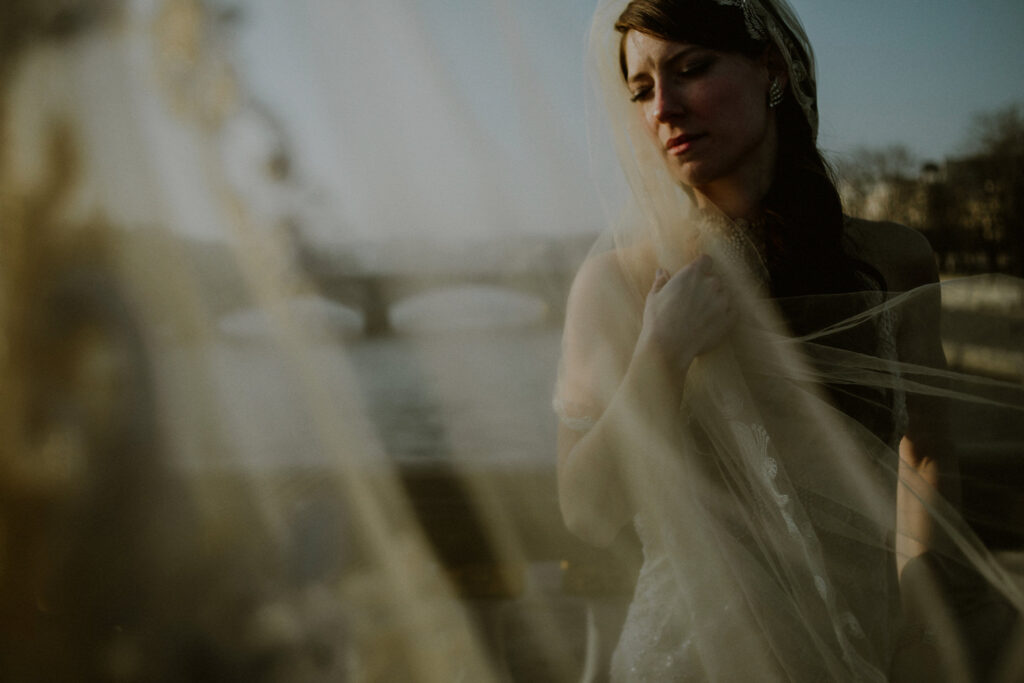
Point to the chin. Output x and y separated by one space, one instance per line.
691 175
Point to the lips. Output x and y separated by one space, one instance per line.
682 143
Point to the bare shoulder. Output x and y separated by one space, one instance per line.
605 304
611 278
599 275
903 255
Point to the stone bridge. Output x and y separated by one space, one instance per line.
376 295
542 269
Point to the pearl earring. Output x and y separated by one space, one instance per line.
774 93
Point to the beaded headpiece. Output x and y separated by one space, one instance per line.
775 20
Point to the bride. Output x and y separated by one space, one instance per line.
734 376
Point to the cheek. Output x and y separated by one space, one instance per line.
718 101
735 110
645 110
707 99
648 119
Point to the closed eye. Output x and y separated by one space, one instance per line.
639 94
696 68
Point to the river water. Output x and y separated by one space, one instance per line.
468 374
482 395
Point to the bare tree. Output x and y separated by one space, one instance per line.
998 133
989 186
971 207
881 184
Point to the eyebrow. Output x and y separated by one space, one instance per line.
682 54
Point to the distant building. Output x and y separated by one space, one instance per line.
970 208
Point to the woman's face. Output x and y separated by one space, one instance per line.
706 110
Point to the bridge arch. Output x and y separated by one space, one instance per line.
471 306
375 296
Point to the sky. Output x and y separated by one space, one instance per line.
913 72
393 104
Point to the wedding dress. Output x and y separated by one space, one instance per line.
768 524
702 627
659 642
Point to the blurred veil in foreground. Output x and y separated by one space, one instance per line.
206 471
160 480
192 485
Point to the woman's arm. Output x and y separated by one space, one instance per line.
592 475
683 316
927 467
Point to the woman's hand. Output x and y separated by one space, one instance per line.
685 314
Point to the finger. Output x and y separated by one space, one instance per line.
660 278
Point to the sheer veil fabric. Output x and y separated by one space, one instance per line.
192 483
187 495
768 519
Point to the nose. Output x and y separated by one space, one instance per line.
667 102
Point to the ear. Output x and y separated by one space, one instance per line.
776 65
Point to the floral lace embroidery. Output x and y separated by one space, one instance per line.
739 241
756 438
762 25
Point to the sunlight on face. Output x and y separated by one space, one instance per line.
706 110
